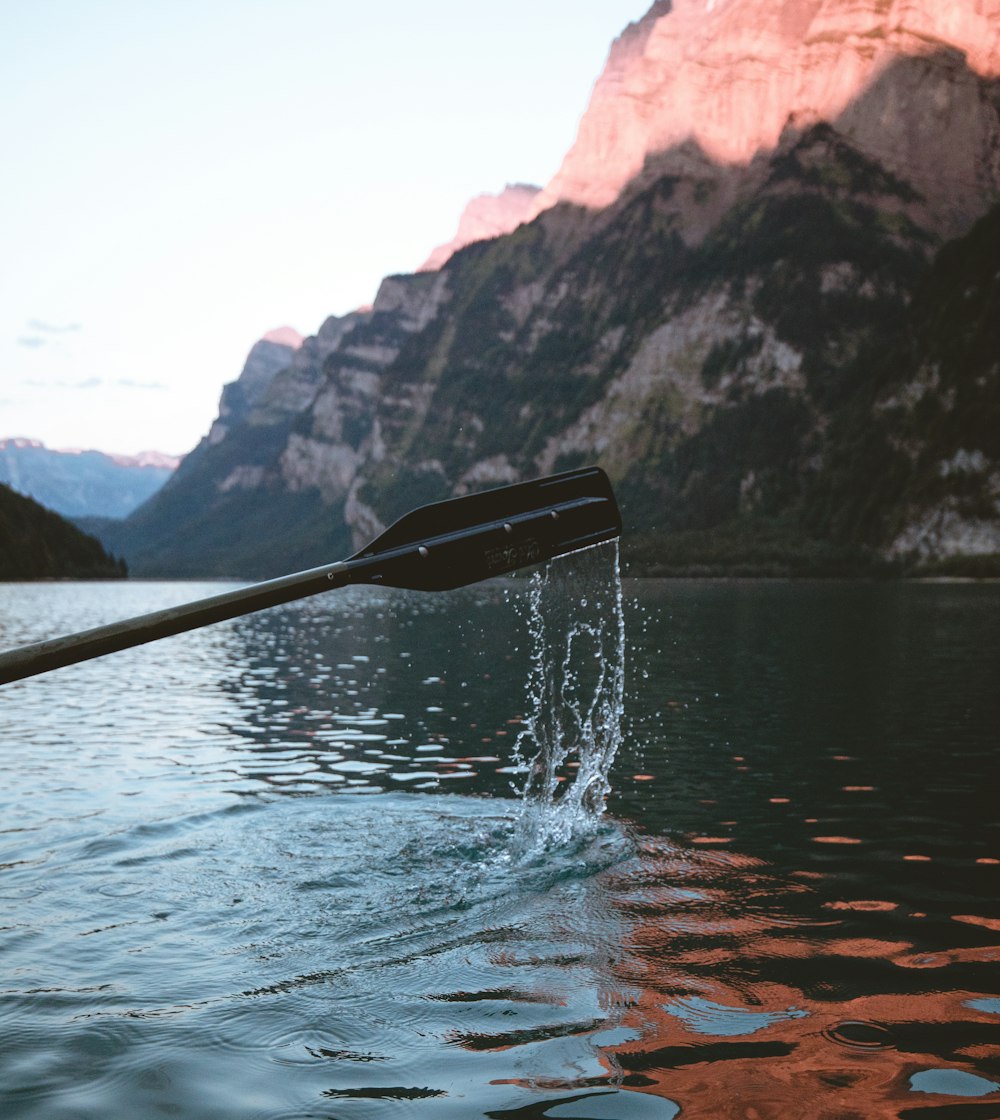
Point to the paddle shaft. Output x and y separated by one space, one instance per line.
28 661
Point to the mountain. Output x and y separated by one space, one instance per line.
727 79
205 519
267 357
915 453
36 543
485 217
758 292
83 483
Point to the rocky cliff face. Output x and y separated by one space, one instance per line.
901 79
276 489
268 357
726 298
914 455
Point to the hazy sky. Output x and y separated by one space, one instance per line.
180 178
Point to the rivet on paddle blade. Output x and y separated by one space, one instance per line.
423 551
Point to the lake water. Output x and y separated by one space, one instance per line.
283 867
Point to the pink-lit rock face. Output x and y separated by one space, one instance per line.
284 336
901 78
486 216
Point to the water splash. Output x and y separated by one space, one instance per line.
576 685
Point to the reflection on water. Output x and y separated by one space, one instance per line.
751 997
276 868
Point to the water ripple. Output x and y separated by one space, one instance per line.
209 913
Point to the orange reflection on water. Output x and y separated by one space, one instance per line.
862 904
974 920
740 994
722 1030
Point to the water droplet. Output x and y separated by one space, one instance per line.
576 689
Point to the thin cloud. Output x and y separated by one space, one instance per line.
128 383
32 341
53 328
86 383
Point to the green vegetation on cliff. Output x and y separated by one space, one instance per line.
918 436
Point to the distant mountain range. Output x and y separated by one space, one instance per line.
83 483
762 292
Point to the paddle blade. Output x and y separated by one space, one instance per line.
464 540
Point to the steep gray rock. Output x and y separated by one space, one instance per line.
265 360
